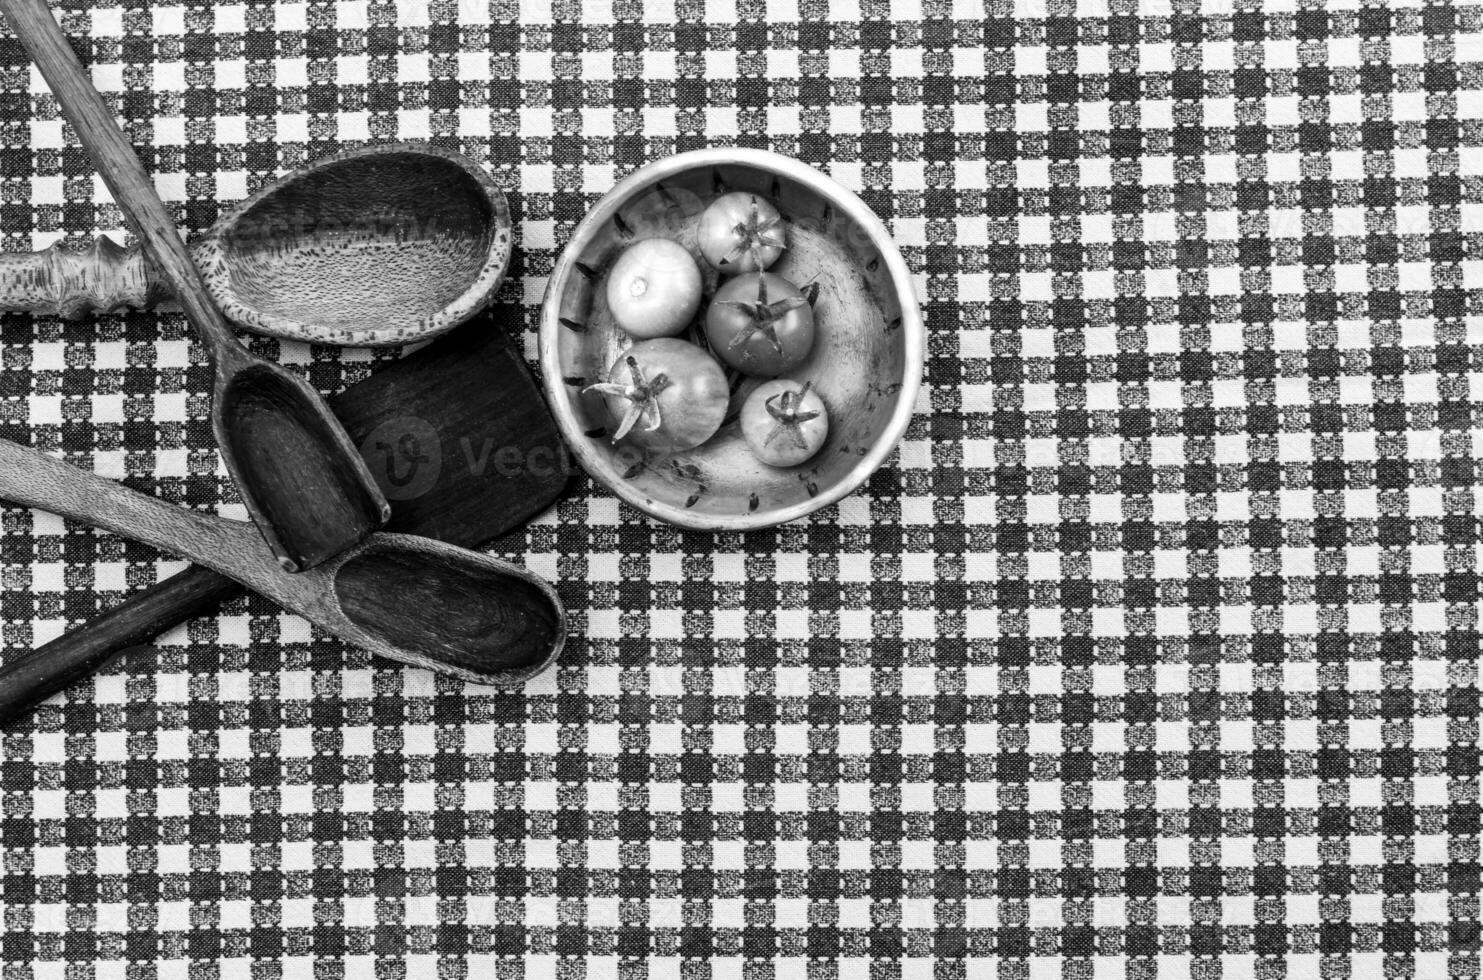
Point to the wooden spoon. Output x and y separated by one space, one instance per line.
304 485
372 246
412 599
495 461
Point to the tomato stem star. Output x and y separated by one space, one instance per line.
755 234
785 409
762 318
642 395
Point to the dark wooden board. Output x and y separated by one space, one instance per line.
499 458
464 409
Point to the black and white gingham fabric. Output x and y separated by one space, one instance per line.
1154 653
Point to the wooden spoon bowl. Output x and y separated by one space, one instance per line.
427 603
373 246
866 362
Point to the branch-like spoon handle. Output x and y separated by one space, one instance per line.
105 277
116 161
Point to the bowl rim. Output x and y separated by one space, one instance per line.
845 200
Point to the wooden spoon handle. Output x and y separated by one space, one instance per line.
35 479
33 676
115 159
105 277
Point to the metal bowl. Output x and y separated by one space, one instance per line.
866 362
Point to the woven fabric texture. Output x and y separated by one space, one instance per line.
1152 653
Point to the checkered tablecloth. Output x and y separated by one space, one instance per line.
1154 652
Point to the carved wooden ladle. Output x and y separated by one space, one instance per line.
368 247
412 599
302 481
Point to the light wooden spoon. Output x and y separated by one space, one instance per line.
372 246
411 599
304 485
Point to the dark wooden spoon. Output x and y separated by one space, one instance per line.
412 599
489 459
302 481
